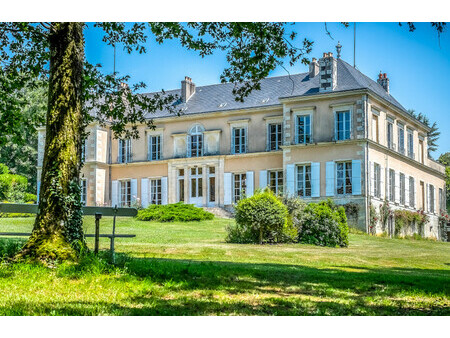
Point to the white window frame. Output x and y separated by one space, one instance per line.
301 169
402 188
401 140
377 180
155 191
181 197
240 191
125 202
391 185
150 137
345 171
410 142
279 180
336 111
84 190
432 198
278 137
297 126
197 131
242 146
127 156
390 127
198 178
412 192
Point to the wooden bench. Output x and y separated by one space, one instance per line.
98 212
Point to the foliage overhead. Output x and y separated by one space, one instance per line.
432 135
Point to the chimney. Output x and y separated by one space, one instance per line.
383 81
328 73
187 89
313 68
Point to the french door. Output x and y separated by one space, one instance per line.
196 186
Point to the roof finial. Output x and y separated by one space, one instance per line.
338 50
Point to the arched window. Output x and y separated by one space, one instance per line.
195 141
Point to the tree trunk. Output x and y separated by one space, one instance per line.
58 232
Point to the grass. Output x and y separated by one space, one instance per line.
188 269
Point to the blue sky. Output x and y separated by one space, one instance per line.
417 65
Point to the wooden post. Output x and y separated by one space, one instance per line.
113 258
98 216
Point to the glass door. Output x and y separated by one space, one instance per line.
196 186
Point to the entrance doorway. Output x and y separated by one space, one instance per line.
196 186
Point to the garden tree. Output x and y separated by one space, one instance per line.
432 135
78 93
21 156
445 160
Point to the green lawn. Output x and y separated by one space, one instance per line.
188 269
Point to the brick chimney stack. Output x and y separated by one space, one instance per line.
383 81
328 72
187 89
313 68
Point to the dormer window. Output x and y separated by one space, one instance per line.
195 141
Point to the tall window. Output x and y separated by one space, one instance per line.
275 136
83 150
196 182
195 140
181 185
344 178
124 151
401 139
431 197
239 186
375 133
83 191
304 129
441 200
402 189
390 135
304 180
376 180
343 125
412 193
410 144
391 185
155 191
125 193
239 141
154 147
212 184
276 181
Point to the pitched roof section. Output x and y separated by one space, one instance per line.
219 97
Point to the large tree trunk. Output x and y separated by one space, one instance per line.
58 232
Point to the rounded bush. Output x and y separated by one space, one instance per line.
261 218
322 224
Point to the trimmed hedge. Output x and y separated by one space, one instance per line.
177 212
261 218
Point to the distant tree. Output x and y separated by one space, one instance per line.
445 160
21 156
432 135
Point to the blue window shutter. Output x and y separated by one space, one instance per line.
38 190
329 178
407 190
119 153
372 178
290 179
144 192
356 177
114 193
188 144
262 179
232 141
227 188
315 179
250 183
164 190
397 187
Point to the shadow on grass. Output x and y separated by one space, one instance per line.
185 287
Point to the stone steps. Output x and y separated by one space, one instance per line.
219 212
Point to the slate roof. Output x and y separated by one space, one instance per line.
219 97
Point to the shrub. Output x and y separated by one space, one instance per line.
177 212
322 224
10 246
12 187
261 218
